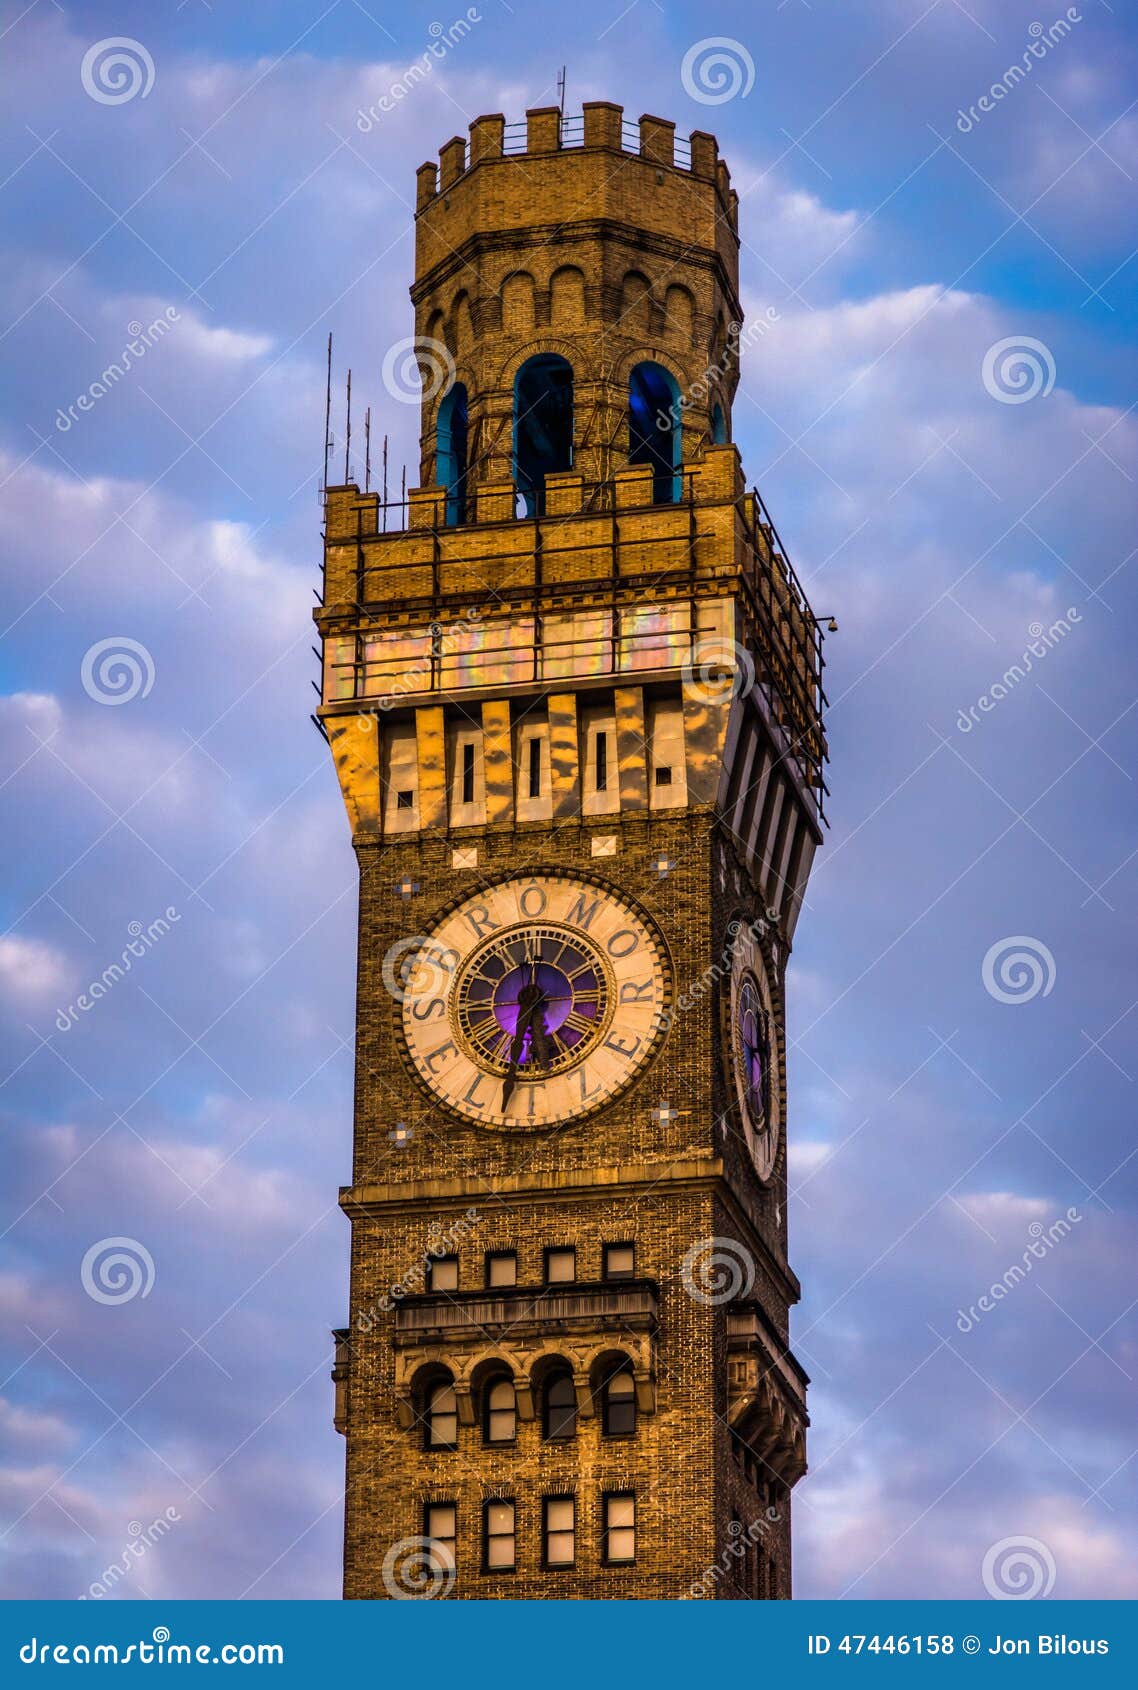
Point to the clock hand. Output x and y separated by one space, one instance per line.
530 1000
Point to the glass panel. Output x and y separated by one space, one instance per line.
398 662
441 1520
502 1270
500 1518
561 1408
501 1428
621 1511
559 1551
654 637
444 1274
578 644
561 1266
500 1551
487 653
620 1259
559 1514
622 1545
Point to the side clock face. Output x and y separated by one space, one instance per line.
754 1050
535 1002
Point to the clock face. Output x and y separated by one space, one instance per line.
754 1057
535 1001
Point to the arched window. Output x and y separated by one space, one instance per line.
618 1405
452 464
442 1415
499 1412
718 426
655 433
543 425
559 1406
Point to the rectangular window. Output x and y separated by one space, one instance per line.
663 775
559 1531
468 772
498 1537
440 1525
501 1268
561 1266
619 1261
619 1527
602 761
443 1274
404 799
535 768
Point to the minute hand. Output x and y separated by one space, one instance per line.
525 1025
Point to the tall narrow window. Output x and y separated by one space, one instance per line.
452 464
559 1406
442 1416
619 1528
499 1418
535 768
468 772
618 1407
543 425
440 1524
655 428
602 760
499 1538
559 1531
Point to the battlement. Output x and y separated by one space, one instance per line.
601 126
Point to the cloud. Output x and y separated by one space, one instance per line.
31 971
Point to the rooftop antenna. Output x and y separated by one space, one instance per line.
328 412
348 440
561 91
367 450
385 484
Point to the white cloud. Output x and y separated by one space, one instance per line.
32 971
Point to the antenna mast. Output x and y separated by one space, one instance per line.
328 412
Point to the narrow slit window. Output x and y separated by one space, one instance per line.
468 773
535 768
602 761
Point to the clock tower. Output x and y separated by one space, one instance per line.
572 689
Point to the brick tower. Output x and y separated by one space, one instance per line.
573 694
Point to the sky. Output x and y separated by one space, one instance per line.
939 418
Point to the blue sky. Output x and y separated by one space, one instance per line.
202 1107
